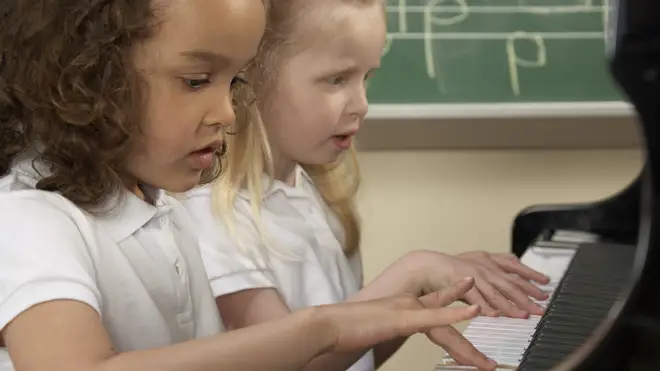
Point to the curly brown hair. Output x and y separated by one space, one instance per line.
67 84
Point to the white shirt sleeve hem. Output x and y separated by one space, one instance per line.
229 284
33 294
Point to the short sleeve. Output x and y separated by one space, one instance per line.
229 268
43 255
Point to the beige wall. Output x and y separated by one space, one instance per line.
457 200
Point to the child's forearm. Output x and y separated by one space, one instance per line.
380 287
282 345
402 277
394 280
266 305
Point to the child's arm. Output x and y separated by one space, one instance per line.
66 335
250 307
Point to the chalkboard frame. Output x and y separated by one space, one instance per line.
616 109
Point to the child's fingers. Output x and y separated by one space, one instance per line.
475 297
459 348
515 266
498 301
528 287
515 295
422 320
449 295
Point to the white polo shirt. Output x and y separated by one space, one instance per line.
295 219
138 267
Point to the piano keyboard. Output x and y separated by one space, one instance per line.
580 295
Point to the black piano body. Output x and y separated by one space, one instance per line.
615 219
628 338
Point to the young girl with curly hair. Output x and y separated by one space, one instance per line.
104 106
286 198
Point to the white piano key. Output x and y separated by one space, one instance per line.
498 348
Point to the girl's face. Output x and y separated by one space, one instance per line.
318 100
189 68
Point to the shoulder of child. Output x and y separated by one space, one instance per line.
44 254
34 208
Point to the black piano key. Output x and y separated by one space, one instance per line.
568 327
581 301
568 318
536 365
551 351
562 308
551 337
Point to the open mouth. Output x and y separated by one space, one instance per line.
215 147
205 151
343 141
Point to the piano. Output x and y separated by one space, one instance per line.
603 257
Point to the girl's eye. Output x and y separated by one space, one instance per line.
195 84
338 80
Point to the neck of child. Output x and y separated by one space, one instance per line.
284 169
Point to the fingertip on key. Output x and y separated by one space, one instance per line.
523 314
492 364
475 307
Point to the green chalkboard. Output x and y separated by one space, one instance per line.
494 51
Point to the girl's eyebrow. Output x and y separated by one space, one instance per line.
208 57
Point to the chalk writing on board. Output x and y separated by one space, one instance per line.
515 61
444 19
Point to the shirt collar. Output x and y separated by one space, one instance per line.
272 187
123 214
129 213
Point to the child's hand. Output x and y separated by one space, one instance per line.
452 341
359 325
501 281
504 283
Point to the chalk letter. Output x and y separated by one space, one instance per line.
515 61
430 20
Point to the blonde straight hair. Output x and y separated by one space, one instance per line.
249 156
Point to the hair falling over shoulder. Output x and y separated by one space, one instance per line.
338 184
67 85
